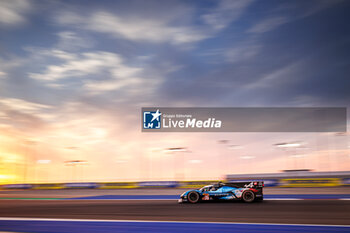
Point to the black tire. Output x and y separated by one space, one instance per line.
193 197
248 196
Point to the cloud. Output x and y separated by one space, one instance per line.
78 65
69 40
226 12
122 76
268 24
6 65
174 28
282 14
2 74
276 76
24 114
39 53
142 29
242 53
96 87
98 72
319 6
12 12
23 105
136 29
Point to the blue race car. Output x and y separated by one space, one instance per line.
245 191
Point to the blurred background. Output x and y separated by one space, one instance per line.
75 74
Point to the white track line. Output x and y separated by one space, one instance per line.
152 221
133 199
91 199
267 199
284 199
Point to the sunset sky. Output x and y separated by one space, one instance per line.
75 74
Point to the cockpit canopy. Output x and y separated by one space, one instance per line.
212 187
207 188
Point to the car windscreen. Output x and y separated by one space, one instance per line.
205 188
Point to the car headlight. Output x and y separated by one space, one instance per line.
183 194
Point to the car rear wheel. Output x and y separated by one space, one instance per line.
193 197
248 196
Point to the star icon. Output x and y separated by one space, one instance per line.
156 115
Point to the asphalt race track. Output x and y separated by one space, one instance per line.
334 212
149 210
109 226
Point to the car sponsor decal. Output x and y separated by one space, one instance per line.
205 197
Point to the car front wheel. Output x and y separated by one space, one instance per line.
193 197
